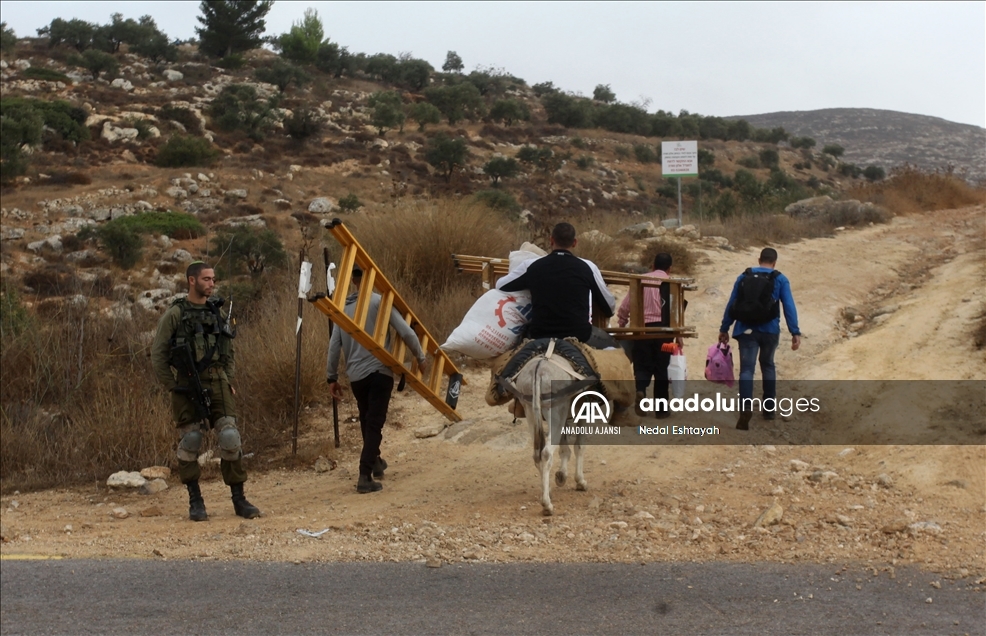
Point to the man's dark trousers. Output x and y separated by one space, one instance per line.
372 395
649 361
753 347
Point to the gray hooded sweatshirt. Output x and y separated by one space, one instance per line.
360 363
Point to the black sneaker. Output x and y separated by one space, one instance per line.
366 484
662 415
378 467
743 423
769 415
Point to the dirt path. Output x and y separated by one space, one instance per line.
917 283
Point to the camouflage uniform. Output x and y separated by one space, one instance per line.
200 326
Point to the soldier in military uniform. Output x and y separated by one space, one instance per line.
195 324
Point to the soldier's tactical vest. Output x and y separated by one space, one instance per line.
201 328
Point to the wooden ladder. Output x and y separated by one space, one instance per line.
374 337
491 269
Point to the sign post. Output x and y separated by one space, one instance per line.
679 159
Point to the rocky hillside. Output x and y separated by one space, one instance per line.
888 138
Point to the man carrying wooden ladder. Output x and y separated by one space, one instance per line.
372 381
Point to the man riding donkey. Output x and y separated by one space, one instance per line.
564 289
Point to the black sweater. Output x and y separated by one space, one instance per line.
561 285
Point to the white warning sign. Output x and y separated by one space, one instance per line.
679 158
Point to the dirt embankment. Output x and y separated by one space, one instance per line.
897 301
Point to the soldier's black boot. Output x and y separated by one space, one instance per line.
196 505
241 506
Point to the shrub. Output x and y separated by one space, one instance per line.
622 152
96 62
567 110
501 168
182 115
46 74
303 124
603 93
874 173
302 43
834 150
769 158
749 162
850 170
20 124
65 120
121 242
715 176
153 44
668 189
231 62
584 162
578 142
388 111
8 40
246 248
644 153
177 225
498 200
706 158
544 88
542 158
14 317
425 113
142 125
237 107
453 63
509 110
683 261
180 151
75 33
446 154
802 142
282 75
462 101
350 203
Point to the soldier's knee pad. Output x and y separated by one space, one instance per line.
189 446
229 439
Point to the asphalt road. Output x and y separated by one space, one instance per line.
180 597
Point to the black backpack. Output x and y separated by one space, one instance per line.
755 304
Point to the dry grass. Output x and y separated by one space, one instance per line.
683 261
64 418
413 244
766 229
909 190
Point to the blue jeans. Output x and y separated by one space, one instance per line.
754 346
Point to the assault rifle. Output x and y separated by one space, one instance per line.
184 362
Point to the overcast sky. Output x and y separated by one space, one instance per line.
709 58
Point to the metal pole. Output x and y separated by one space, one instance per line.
297 356
679 201
700 202
335 402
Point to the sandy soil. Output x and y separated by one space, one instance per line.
472 492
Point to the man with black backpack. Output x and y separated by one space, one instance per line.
754 305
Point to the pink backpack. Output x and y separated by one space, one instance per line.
719 365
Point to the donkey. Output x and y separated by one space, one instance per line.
545 387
